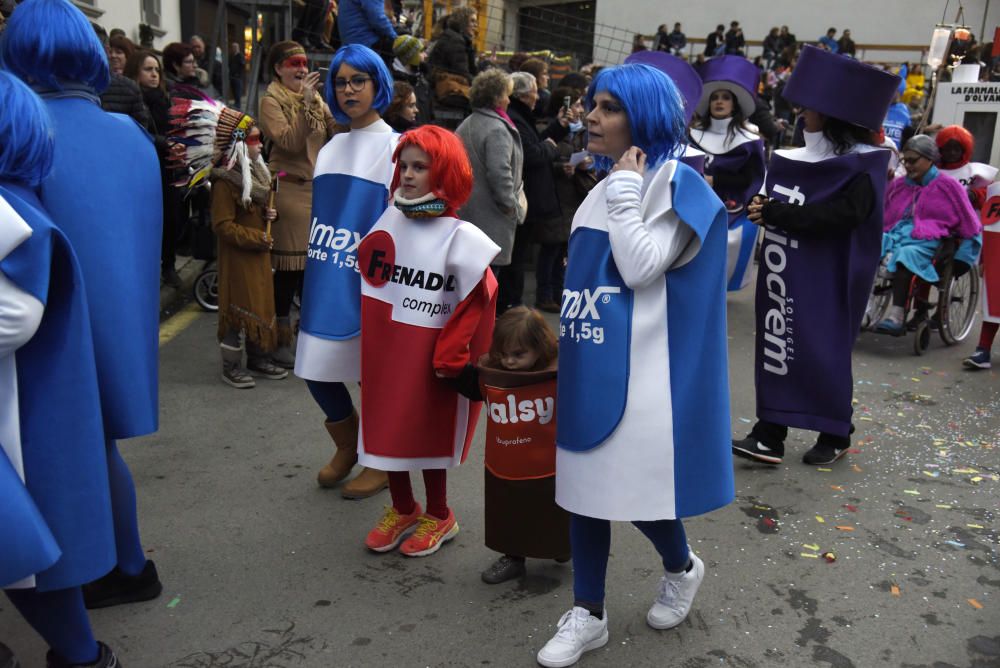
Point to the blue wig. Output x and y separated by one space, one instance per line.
26 142
48 42
364 60
654 108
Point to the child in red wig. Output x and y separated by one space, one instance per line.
428 301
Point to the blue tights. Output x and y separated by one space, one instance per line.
590 539
128 546
333 398
60 618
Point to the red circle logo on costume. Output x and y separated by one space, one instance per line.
376 257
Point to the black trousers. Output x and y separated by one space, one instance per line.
511 278
773 436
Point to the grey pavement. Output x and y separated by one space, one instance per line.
261 568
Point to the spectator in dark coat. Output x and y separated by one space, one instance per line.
660 39
735 43
408 66
454 52
715 43
786 38
677 40
540 153
122 96
237 70
845 44
180 70
203 63
772 47
539 69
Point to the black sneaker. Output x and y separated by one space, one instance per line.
503 569
106 659
170 277
822 453
116 588
7 658
751 448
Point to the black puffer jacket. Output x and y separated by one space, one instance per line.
123 96
454 53
539 181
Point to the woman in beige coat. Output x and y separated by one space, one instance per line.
297 123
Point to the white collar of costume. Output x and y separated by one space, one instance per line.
398 197
378 126
13 229
716 140
818 147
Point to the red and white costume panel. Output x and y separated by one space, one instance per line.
428 300
991 254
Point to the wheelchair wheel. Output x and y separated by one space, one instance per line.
206 290
922 337
957 306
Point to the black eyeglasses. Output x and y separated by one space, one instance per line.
912 161
357 83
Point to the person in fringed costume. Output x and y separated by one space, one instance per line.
428 301
105 194
350 192
223 145
56 525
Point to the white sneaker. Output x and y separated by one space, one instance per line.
677 592
579 632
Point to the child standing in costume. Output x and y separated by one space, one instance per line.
517 379
56 524
350 192
643 388
223 145
428 300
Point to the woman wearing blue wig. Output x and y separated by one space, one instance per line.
350 192
643 391
104 193
55 518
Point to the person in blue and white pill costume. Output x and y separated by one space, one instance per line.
643 392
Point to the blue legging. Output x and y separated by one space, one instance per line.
333 398
128 546
590 539
61 619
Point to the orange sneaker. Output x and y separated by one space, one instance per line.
430 535
389 531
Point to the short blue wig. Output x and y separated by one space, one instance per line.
364 60
26 140
654 108
48 42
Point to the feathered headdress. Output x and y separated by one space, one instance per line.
211 135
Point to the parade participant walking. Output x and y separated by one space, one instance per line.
350 191
735 163
991 281
643 397
517 379
297 123
819 256
115 212
956 145
223 145
55 523
427 308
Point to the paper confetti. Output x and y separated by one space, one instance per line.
824 470
820 520
845 528
912 492
955 543
857 469
837 487
975 526
851 508
975 604
809 554
814 548
174 601
894 589
944 506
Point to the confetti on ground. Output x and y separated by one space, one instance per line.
975 526
932 474
912 492
915 380
174 601
851 508
814 548
820 520
745 420
837 487
809 554
975 604
845 528
944 506
894 589
830 557
824 470
857 469
955 543
964 471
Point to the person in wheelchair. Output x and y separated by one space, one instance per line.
922 209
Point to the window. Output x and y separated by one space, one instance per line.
151 12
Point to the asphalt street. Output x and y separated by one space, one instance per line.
887 558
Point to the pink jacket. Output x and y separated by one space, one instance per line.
942 208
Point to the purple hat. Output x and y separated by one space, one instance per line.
680 72
841 88
733 73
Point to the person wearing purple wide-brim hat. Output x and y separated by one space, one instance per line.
735 162
822 216
688 84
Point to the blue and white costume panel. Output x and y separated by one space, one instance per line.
643 396
350 192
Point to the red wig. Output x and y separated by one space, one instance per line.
451 173
963 137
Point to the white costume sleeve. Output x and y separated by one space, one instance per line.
646 237
20 315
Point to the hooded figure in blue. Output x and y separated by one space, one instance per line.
104 194
350 192
55 517
643 389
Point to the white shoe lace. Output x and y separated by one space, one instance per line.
571 624
669 593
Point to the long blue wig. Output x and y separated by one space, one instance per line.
26 140
50 42
363 60
654 108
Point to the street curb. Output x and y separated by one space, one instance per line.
173 299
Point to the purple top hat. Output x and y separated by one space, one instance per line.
680 72
733 73
841 88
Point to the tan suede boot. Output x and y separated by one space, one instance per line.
368 483
345 436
